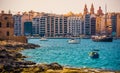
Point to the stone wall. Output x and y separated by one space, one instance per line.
21 39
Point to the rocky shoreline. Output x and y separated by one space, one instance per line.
12 61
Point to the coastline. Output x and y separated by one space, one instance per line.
11 60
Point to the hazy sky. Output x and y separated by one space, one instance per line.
58 6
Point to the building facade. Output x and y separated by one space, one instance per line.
87 26
93 24
39 25
50 25
28 28
118 25
17 24
6 25
26 17
98 24
74 26
114 23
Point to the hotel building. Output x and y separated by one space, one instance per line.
56 26
74 26
50 25
39 25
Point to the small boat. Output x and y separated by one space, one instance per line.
43 39
102 38
73 41
94 55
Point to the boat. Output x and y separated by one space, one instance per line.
94 55
73 41
43 39
102 38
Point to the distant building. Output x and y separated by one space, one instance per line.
50 25
114 23
92 9
6 25
98 24
28 28
87 26
99 11
17 24
85 10
39 25
118 25
74 26
26 16
56 25
93 24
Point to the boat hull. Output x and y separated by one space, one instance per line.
107 39
73 41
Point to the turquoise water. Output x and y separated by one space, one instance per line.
75 55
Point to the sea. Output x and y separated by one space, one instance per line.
75 55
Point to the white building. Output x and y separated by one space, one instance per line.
39 25
17 24
50 25
74 26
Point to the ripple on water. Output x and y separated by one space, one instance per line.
75 55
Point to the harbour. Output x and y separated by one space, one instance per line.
75 55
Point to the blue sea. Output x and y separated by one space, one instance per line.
75 55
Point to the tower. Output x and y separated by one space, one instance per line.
92 9
85 10
99 11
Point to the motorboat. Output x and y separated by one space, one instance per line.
102 38
94 54
43 39
73 41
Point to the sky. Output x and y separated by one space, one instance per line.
58 6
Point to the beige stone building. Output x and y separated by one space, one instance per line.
98 24
6 25
118 25
7 28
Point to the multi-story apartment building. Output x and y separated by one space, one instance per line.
39 25
6 25
74 26
56 25
50 25
87 26
17 24
114 23
93 24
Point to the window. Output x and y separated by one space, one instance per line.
7 33
8 25
0 24
0 32
6 18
